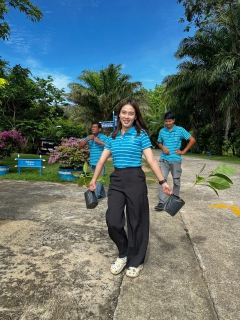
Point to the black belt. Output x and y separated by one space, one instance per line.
128 168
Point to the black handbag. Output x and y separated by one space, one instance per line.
173 204
90 199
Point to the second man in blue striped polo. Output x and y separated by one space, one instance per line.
170 140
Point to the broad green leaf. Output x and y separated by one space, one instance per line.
85 167
81 182
225 169
101 179
3 82
76 174
218 183
222 176
218 179
87 181
209 186
89 175
213 189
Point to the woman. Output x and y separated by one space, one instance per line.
128 187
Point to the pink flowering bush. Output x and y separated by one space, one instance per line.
69 155
10 142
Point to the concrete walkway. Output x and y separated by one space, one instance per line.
55 255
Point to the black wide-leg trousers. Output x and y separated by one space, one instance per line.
128 187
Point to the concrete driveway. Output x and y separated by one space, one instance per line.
55 255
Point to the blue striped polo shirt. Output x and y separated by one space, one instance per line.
127 149
96 149
172 140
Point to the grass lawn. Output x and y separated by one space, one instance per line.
50 172
226 159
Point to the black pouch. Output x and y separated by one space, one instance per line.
173 204
90 199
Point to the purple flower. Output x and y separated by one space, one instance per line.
68 154
10 142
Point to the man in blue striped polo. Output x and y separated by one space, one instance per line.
96 141
170 140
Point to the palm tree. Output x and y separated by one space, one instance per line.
100 92
207 85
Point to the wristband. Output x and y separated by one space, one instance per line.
162 181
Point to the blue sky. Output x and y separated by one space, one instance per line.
77 35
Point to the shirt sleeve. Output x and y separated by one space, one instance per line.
146 143
185 134
108 143
160 140
103 138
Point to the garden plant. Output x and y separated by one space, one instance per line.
217 179
10 142
69 155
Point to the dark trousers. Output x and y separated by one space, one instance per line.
128 187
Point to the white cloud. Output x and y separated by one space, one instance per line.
33 63
23 41
60 80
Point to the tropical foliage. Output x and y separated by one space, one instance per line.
3 82
201 13
30 106
154 114
205 93
32 12
100 92
85 178
217 179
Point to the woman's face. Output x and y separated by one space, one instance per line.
127 116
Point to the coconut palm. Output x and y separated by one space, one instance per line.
100 92
207 84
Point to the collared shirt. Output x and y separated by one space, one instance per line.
96 149
127 148
172 140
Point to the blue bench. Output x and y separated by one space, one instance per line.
29 163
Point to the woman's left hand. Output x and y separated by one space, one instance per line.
166 189
92 186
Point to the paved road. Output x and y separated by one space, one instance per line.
55 255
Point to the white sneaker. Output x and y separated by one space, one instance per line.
118 266
133 272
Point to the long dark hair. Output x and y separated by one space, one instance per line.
139 124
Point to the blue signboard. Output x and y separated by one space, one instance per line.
110 124
29 163
107 124
34 163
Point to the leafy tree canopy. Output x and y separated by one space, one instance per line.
155 112
100 92
220 12
32 12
